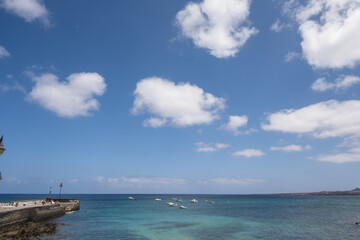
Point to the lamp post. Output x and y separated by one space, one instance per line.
50 193
61 185
2 150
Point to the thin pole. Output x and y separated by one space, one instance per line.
2 150
61 185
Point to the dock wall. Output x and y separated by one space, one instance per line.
36 213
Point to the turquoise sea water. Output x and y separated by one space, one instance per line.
245 217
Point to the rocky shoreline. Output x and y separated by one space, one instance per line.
29 230
30 219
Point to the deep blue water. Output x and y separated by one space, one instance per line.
245 217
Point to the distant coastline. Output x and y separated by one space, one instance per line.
354 192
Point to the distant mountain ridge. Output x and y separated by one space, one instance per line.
353 192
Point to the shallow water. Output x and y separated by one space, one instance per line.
231 217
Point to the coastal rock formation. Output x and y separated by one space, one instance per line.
21 215
27 219
29 230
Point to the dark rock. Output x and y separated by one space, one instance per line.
29 230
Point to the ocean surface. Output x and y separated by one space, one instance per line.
245 217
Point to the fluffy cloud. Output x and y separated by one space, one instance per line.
14 86
343 82
207 149
291 56
73 180
330 32
222 145
347 151
249 153
235 122
30 10
221 26
233 181
210 147
99 179
71 98
321 120
12 180
277 26
3 52
351 155
144 181
291 148
175 104
154 122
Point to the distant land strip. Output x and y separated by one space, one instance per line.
354 192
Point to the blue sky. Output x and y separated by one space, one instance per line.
213 96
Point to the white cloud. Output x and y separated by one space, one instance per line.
343 82
291 56
347 151
277 26
221 26
71 98
222 145
30 10
321 85
351 155
249 153
99 179
291 148
145 181
154 122
3 52
179 105
113 180
14 86
235 122
207 149
321 120
233 181
330 32
12 180
73 180
210 147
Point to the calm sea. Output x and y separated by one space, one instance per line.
231 217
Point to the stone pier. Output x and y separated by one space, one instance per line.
19 212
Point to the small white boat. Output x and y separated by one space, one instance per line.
212 202
182 207
194 200
157 199
131 198
171 204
